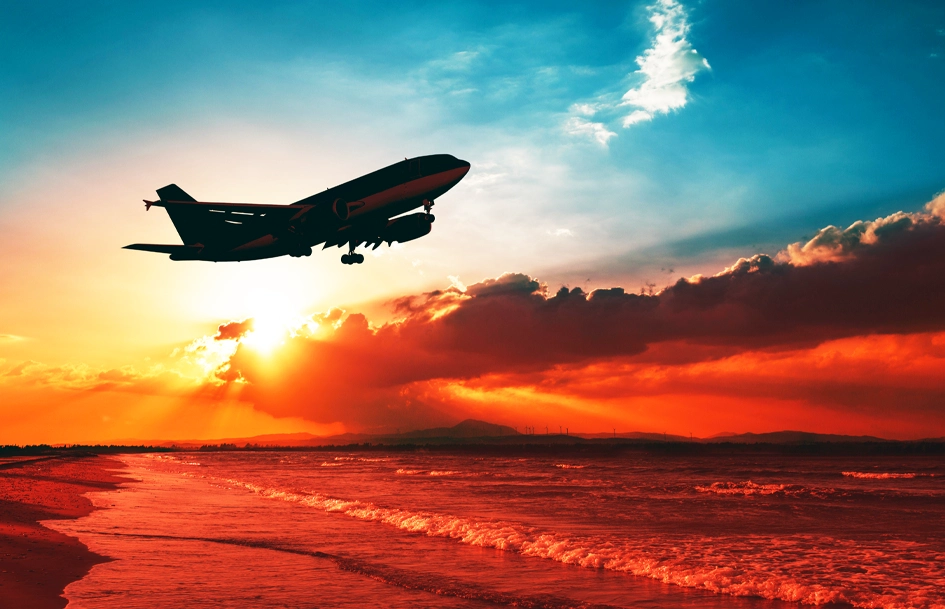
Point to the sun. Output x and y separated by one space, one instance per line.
267 334
273 321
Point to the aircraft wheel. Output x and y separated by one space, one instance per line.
346 259
307 251
358 258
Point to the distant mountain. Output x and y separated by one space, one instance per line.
790 437
636 435
470 428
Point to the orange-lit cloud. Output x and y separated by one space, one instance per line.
765 330
843 334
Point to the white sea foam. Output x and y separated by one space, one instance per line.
569 466
676 564
409 472
746 488
749 488
884 475
446 472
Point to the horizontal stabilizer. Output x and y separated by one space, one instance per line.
178 251
173 192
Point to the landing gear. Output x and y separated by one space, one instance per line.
351 257
427 206
301 251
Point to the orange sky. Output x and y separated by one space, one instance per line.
842 334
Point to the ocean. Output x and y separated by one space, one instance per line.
452 529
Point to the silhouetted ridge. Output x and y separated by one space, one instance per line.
470 428
790 437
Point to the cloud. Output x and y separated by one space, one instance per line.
666 67
851 321
832 244
884 277
583 127
11 338
637 116
234 330
155 380
936 206
665 70
561 232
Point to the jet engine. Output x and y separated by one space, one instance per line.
340 209
407 228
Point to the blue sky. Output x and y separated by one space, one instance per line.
791 117
625 144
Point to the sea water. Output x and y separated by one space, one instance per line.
438 529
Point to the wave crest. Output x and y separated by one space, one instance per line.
885 475
743 579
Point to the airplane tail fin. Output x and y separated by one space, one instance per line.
175 201
173 192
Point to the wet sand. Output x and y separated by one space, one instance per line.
36 563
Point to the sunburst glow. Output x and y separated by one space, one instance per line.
269 331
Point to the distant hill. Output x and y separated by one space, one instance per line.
470 428
789 437
472 431
637 435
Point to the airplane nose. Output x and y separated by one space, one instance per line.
464 165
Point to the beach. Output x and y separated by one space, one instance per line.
37 563
448 529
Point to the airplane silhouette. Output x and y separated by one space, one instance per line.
366 210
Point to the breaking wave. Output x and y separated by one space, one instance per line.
441 586
569 466
729 572
435 472
749 488
885 475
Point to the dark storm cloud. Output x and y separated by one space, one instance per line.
886 276
233 330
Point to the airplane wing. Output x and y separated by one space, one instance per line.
177 252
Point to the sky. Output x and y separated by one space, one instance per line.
690 217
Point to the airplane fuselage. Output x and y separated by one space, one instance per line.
366 210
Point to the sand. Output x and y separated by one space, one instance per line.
36 563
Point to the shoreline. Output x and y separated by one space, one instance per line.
37 563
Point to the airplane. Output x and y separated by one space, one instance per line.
367 210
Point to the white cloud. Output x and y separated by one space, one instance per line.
666 69
584 109
581 126
637 116
456 283
561 232
668 65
